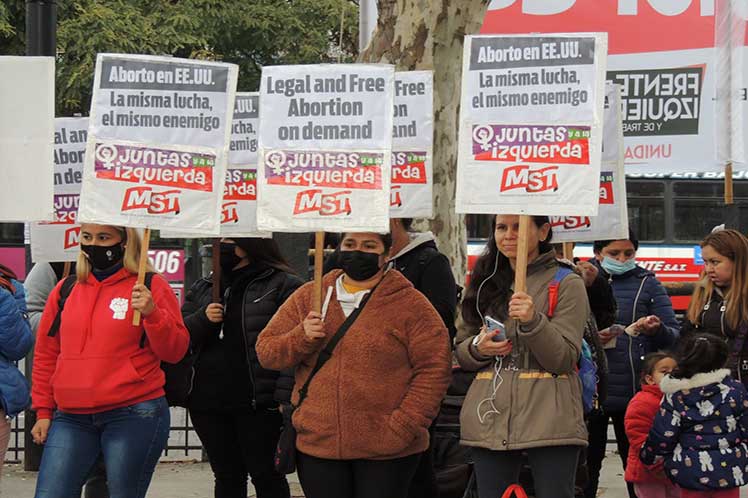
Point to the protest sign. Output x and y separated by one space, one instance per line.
57 240
412 145
158 143
611 222
663 53
325 147
27 110
531 124
239 207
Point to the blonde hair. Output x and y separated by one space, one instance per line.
132 240
734 246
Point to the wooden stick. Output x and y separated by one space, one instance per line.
729 198
319 252
66 269
144 244
569 251
520 269
216 256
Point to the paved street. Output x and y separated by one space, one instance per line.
187 480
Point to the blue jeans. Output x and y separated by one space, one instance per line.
130 439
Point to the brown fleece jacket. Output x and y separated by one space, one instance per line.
377 395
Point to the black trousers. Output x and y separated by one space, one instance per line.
553 470
423 484
241 444
322 478
598 429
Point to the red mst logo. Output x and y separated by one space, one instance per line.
314 200
530 180
151 202
72 236
229 213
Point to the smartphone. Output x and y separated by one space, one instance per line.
493 325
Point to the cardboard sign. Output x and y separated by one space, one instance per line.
412 146
239 205
611 223
158 143
57 240
27 127
531 124
663 53
325 147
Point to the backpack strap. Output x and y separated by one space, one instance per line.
65 290
553 286
148 281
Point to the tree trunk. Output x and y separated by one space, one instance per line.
429 34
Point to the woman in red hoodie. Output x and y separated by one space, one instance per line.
649 482
97 383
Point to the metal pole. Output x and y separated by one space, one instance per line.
41 40
41 27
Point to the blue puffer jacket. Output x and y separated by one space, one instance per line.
15 341
700 430
638 294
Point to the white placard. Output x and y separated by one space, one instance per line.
27 111
239 207
611 223
663 53
57 240
412 146
158 142
531 124
325 147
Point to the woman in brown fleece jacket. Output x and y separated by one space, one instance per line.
365 421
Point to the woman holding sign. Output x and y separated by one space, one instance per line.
97 382
364 403
524 347
234 401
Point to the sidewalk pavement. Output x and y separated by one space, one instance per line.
195 480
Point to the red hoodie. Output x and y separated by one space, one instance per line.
638 421
95 363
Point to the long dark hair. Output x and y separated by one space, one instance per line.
264 251
495 292
700 353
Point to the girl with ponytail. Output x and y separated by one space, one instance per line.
700 428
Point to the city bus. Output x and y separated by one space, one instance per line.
670 214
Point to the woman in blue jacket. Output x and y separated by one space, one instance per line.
15 342
645 323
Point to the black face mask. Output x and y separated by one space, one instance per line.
359 265
229 258
103 257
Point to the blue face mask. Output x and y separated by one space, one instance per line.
615 267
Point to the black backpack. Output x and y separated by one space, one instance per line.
179 376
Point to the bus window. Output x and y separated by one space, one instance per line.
694 218
697 208
646 208
11 233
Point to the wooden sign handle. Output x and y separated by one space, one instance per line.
729 196
520 268
216 279
144 245
319 252
569 251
